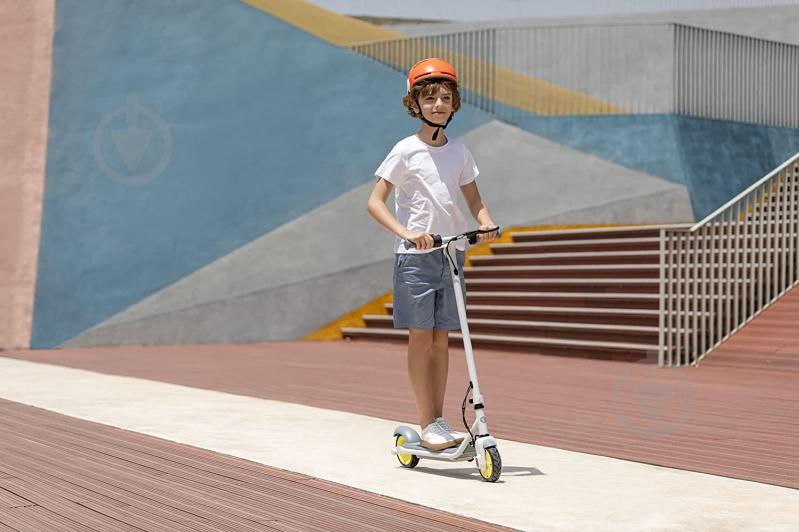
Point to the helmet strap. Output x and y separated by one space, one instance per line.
438 127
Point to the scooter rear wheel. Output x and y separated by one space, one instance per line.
492 465
405 459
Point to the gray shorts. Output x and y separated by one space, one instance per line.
423 294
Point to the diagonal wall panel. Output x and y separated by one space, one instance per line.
335 258
248 151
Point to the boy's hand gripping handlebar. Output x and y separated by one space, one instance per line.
441 241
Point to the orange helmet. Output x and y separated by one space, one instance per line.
430 68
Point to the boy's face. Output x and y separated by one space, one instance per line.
436 106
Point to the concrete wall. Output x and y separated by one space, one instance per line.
628 66
721 159
26 36
714 159
477 10
315 274
776 22
208 168
181 131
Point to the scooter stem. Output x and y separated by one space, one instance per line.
467 341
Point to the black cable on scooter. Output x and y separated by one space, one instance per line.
463 410
454 263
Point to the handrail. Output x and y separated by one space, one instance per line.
744 193
722 272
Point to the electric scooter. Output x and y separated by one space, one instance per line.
479 446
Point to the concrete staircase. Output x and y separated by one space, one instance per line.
585 292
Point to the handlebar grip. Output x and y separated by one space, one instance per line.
436 242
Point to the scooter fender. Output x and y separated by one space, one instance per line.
411 436
480 445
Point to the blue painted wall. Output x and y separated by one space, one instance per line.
643 142
714 159
721 158
267 122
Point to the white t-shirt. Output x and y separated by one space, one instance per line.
427 181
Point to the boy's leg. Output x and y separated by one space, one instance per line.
420 352
439 370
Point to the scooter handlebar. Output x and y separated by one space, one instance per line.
439 241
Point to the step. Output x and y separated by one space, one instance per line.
597 232
478 310
564 347
603 257
718 246
579 331
606 244
732 227
566 299
618 258
586 299
625 271
560 314
609 285
564 285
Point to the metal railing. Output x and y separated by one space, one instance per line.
722 272
601 69
734 77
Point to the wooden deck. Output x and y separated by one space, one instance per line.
721 418
59 473
736 415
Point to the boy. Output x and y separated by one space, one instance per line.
427 170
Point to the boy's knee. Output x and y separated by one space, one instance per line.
421 337
441 340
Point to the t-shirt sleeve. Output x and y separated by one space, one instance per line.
393 169
470 171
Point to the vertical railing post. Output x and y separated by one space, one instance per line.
678 286
704 235
736 257
661 296
696 238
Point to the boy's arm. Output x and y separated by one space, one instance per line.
478 209
376 206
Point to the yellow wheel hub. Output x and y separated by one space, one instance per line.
404 458
488 465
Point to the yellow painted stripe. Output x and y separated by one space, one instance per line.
544 98
519 90
501 84
332 331
327 25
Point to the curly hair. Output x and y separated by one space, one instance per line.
426 88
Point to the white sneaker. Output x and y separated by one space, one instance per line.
435 438
444 425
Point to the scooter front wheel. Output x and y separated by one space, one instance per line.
405 459
492 465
